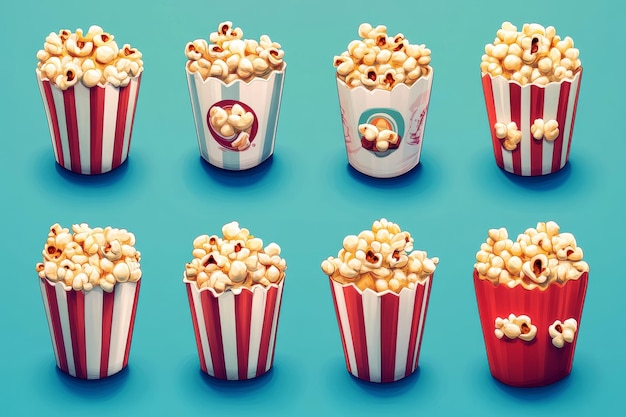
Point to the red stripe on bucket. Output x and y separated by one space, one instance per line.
71 123
266 333
96 115
120 125
55 122
389 307
76 314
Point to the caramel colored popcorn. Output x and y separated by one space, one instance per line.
237 259
539 257
92 58
229 57
380 259
89 257
535 55
381 61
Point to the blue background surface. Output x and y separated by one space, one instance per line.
307 198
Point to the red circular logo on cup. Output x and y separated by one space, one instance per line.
233 125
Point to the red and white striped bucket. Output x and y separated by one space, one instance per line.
90 128
235 330
91 330
507 101
381 333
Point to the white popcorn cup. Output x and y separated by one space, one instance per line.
235 330
261 97
91 331
381 333
90 128
508 101
403 110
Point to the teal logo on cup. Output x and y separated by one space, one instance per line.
382 119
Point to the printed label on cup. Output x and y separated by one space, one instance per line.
232 124
382 120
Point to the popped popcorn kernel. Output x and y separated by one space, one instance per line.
535 55
93 58
515 327
237 259
563 332
229 57
381 61
89 257
381 259
548 130
539 257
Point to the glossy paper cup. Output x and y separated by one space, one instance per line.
538 362
91 330
90 128
508 101
235 330
403 110
381 333
260 96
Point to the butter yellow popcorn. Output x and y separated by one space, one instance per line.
535 55
237 259
510 133
229 57
381 259
92 58
89 257
539 257
381 61
548 130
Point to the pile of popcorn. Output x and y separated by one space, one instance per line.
92 58
381 61
89 257
229 57
380 259
534 55
539 257
237 259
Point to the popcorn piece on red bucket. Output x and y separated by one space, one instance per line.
234 285
524 289
384 85
89 87
235 87
89 281
380 288
531 76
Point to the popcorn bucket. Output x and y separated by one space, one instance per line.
235 330
402 110
238 150
539 362
91 331
90 128
507 101
381 333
